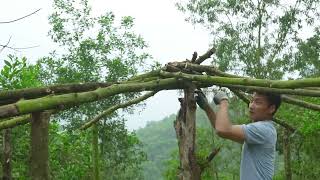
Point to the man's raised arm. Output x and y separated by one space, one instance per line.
223 125
220 120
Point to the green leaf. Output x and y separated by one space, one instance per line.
7 63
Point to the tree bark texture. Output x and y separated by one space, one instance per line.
7 155
185 127
39 167
10 123
287 154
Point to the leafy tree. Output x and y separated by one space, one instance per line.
123 153
17 73
159 139
255 38
97 49
70 153
93 49
307 57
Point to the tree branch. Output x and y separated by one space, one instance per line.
301 92
207 55
225 81
4 46
308 91
21 120
16 121
300 103
11 96
194 57
209 158
11 21
285 125
210 70
62 101
114 108
154 73
17 49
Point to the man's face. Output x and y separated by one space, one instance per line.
260 109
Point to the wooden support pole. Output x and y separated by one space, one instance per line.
95 153
185 127
39 167
287 154
7 155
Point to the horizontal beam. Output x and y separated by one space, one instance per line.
224 81
10 96
65 100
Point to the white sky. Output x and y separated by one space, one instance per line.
158 21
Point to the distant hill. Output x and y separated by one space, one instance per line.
159 140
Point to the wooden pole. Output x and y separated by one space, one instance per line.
95 153
39 166
7 155
185 127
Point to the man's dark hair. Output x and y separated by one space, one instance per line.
273 99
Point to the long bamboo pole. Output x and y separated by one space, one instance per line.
225 81
114 108
28 93
61 101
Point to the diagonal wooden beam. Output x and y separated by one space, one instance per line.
300 103
111 109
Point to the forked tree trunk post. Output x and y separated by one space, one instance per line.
185 127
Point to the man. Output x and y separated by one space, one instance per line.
258 137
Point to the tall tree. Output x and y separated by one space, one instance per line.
256 38
307 58
93 49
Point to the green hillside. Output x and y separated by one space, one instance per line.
159 140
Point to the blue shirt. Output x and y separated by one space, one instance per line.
258 151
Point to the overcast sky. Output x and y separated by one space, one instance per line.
158 21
